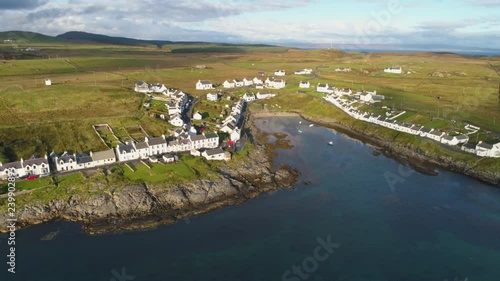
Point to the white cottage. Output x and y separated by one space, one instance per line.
213 97
228 84
279 73
64 162
248 97
197 116
394 70
124 152
204 85
176 120
247 82
304 84
48 82
102 158
216 154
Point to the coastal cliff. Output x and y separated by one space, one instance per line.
137 206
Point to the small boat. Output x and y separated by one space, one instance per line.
330 143
311 125
299 131
300 122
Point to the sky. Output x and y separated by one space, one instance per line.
470 23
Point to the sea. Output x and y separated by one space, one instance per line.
354 215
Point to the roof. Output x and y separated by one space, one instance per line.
485 145
469 146
211 135
205 82
215 151
322 85
436 133
197 137
425 130
83 158
141 145
66 157
448 138
15 165
125 148
35 161
103 155
462 137
157 141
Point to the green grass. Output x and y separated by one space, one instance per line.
178 172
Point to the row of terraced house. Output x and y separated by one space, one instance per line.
150 148
481 149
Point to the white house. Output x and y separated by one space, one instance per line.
248 97
235 134
64 162
13 169
322 88
48 82
238 83
213 97
262 96
454 140
211 140
102 158
247 82
305 71
279 73
259 86
279 84
126 151
256 80
488 150
424 132
228 84
304 84
228 127
204 85
370 98
143 149
195 153
169 158
157 145
197 116
36 166
436 135
157 88
176 120
469 147
141 87
216 154
84 161
394 69
343 69
342 92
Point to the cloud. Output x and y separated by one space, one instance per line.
20 4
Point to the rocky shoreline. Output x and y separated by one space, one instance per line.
139 206
406 154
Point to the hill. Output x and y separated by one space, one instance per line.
24 37
80 36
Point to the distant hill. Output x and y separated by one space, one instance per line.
98 38
27 37
79 37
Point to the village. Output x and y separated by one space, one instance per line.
177 108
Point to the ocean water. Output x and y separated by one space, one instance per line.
361 218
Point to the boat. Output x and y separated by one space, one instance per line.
330 143
299 131
300 122
311 125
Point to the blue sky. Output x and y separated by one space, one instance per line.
473 23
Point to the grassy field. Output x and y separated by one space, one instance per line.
93 83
